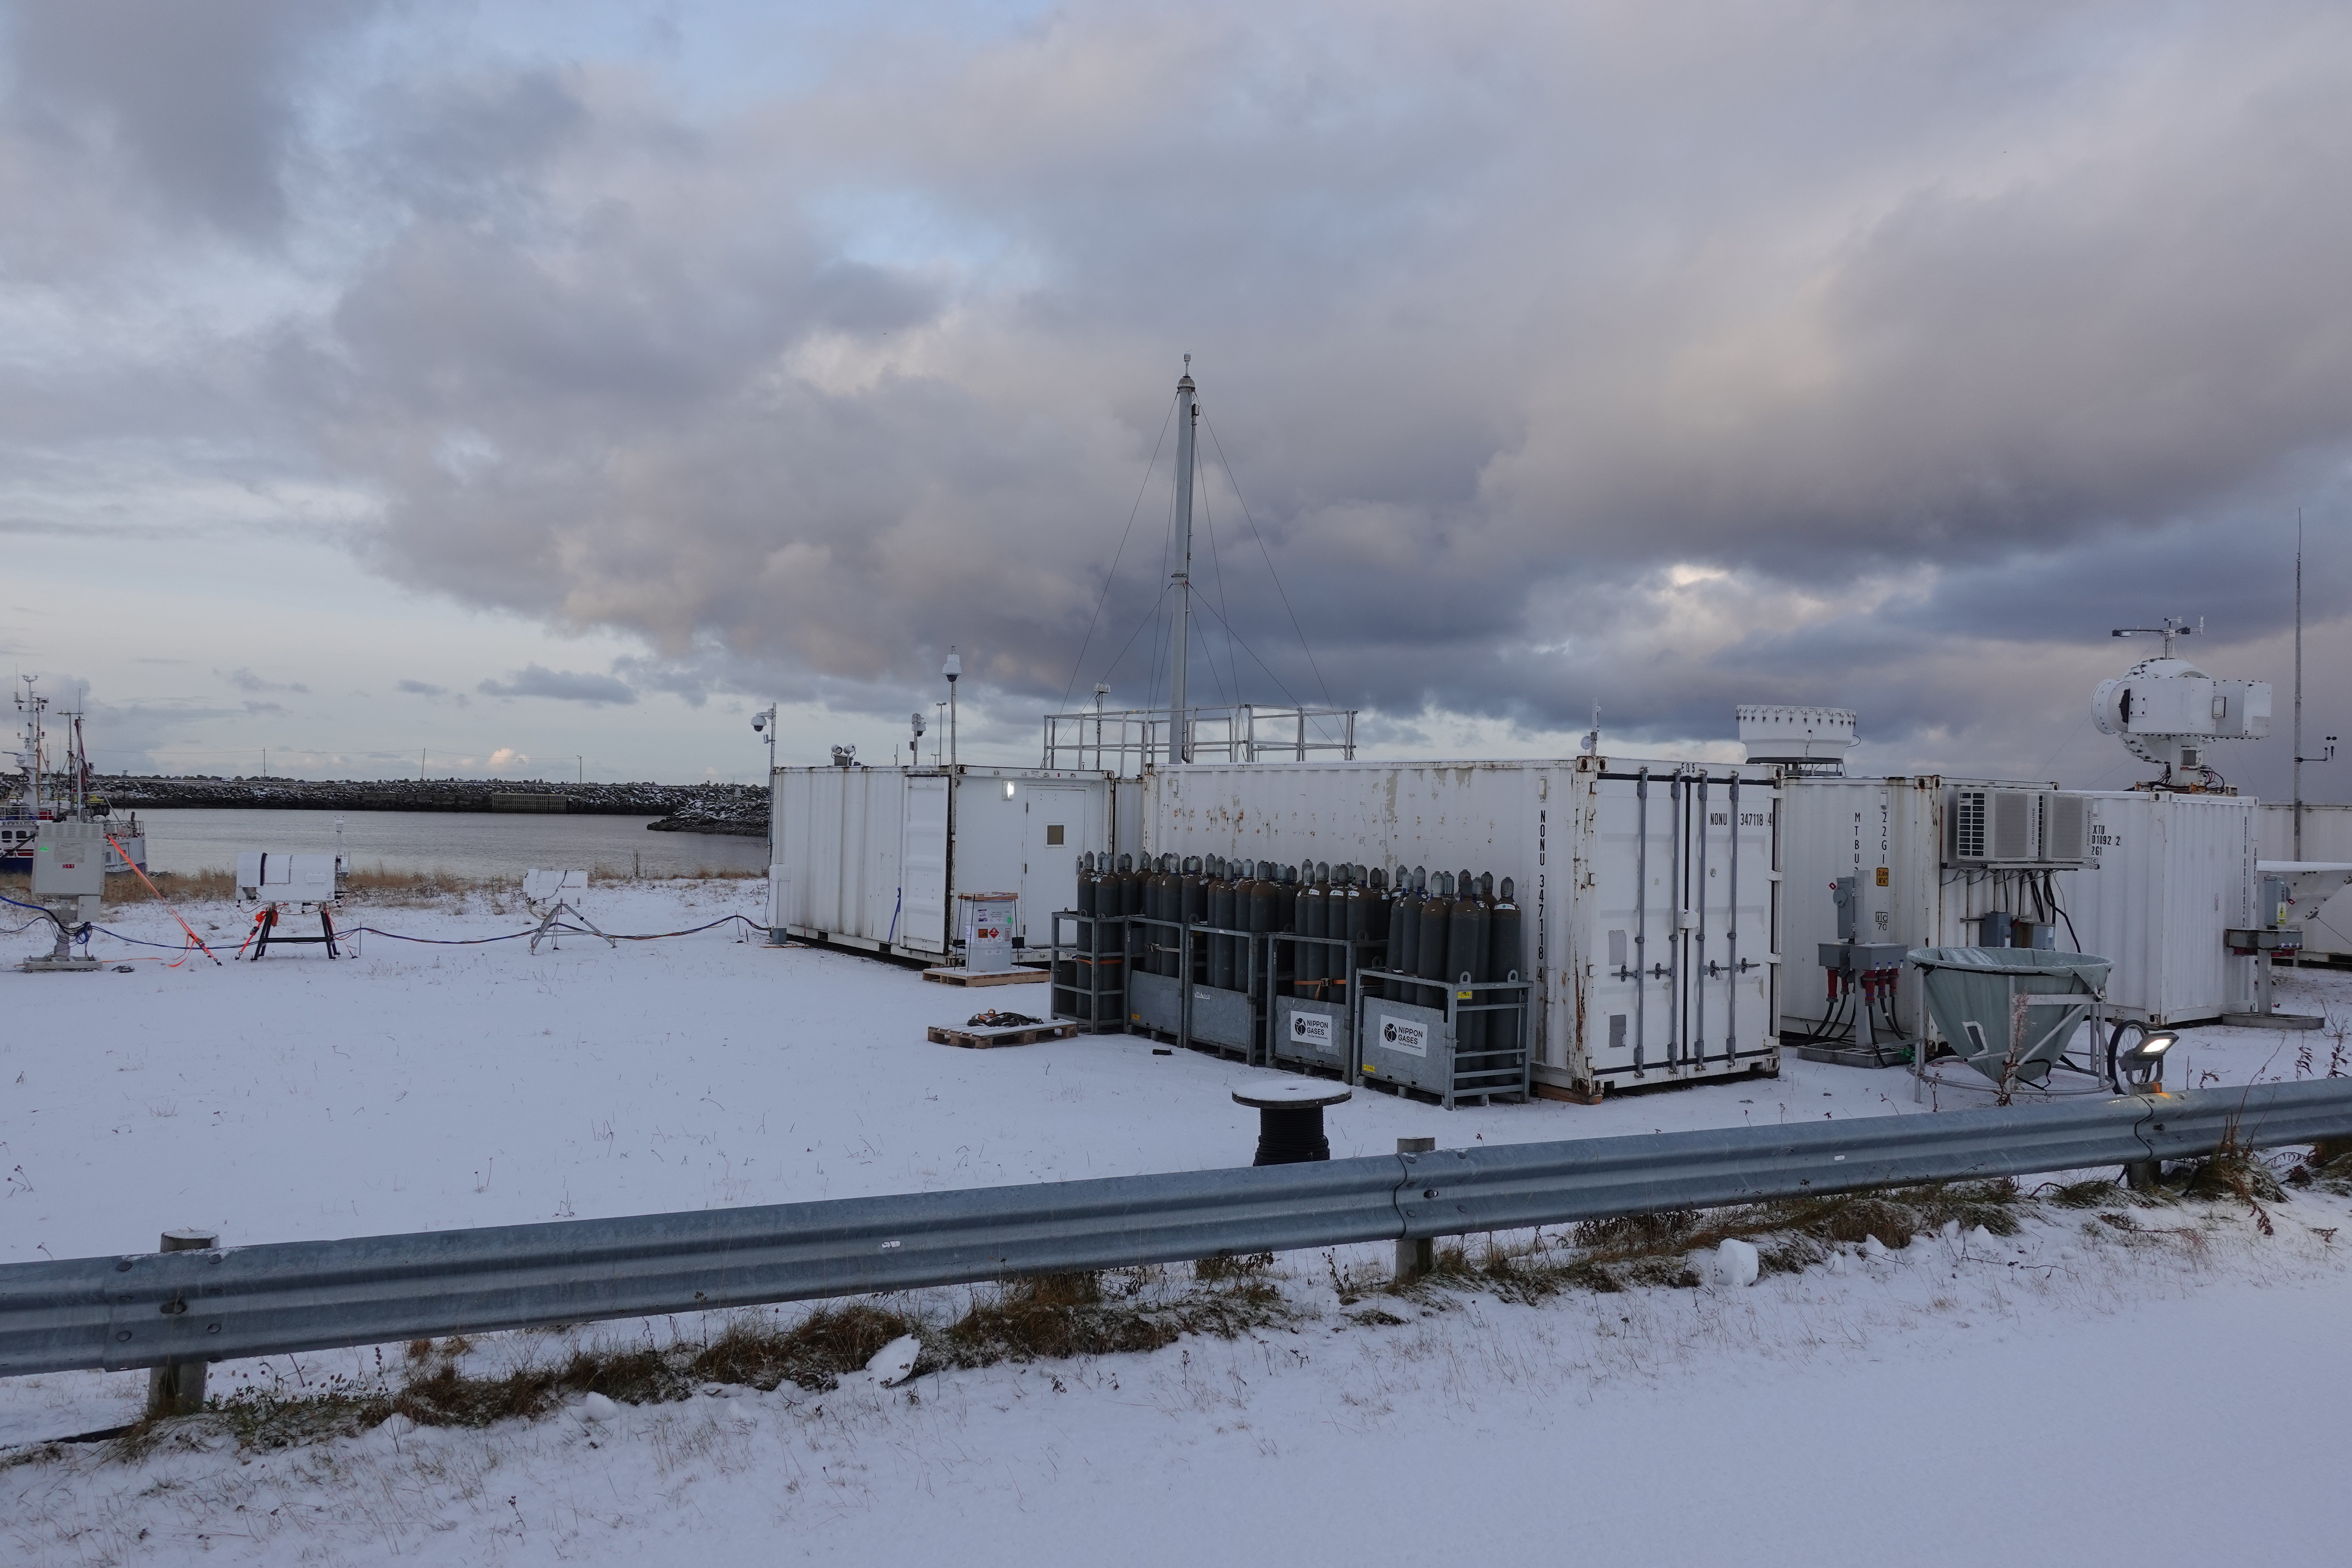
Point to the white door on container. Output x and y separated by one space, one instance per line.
1722 938
1680 970
1055 831
1629 972
922 921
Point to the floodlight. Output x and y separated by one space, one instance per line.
2140 1067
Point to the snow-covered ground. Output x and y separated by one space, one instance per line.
2074 1393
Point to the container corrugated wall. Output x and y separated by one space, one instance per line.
839 837
2173 872
2327 836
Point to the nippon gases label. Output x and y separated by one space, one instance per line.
1312 1030
1398 1035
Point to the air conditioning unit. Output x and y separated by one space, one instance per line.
2065 829
1994 827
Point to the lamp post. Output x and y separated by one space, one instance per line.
953 670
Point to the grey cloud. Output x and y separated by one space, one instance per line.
201 100
420 688
563 685
245 680
1563 355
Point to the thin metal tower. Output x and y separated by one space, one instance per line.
1188 414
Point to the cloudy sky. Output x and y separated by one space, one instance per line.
541 387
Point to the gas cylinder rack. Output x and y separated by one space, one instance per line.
1448 1014
1089 970
1327 924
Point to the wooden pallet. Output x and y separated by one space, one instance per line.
981 1039
965 977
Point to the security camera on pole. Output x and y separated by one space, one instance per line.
763 723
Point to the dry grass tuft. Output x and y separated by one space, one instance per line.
1654 1251
812 1354
1050 1317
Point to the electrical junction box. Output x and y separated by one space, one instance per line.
69 860
1858 957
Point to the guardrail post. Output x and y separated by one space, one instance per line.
177 1387
2141 1175
1415 1257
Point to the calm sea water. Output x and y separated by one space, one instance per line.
466 844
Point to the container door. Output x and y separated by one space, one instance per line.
1723 937
923 867
1058 823
1679 967
1628 965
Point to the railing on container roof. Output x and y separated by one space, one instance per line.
1120 740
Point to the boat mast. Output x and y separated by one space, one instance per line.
32 703
1188 411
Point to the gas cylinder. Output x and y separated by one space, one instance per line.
1086 905
1404 932
1193 888
1159 903
1221 913
1314 895
1505 961
1436 912
1466 943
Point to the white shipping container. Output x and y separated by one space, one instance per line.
874 857
1650 888
2327 836
2169 873
1891 835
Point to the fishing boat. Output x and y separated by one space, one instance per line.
41 794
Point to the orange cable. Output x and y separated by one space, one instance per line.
140 872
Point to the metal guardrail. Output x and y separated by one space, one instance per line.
145 1309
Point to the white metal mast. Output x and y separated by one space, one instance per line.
2297 816
1179 741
